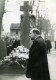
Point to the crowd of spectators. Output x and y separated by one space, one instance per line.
11 43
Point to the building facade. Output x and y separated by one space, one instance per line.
15 30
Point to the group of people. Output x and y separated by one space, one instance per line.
7 45
11 44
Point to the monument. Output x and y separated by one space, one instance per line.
25 28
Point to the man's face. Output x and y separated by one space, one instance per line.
32 35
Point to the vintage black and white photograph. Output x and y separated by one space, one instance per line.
27 39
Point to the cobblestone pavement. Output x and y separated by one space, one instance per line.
52 69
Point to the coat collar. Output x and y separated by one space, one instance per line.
36 38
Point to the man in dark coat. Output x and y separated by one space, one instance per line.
37 66
16 43
48 45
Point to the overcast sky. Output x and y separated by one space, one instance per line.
13 13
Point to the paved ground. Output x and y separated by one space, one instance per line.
52 62
21 74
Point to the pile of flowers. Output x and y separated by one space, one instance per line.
18 55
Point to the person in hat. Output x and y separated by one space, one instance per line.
37 66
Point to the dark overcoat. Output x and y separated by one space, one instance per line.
37 67
48 44
16 43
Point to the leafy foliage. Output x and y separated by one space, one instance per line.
44 24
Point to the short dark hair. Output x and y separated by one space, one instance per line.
36 31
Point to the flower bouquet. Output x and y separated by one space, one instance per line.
18 56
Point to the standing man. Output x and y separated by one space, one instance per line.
37 66
48 45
